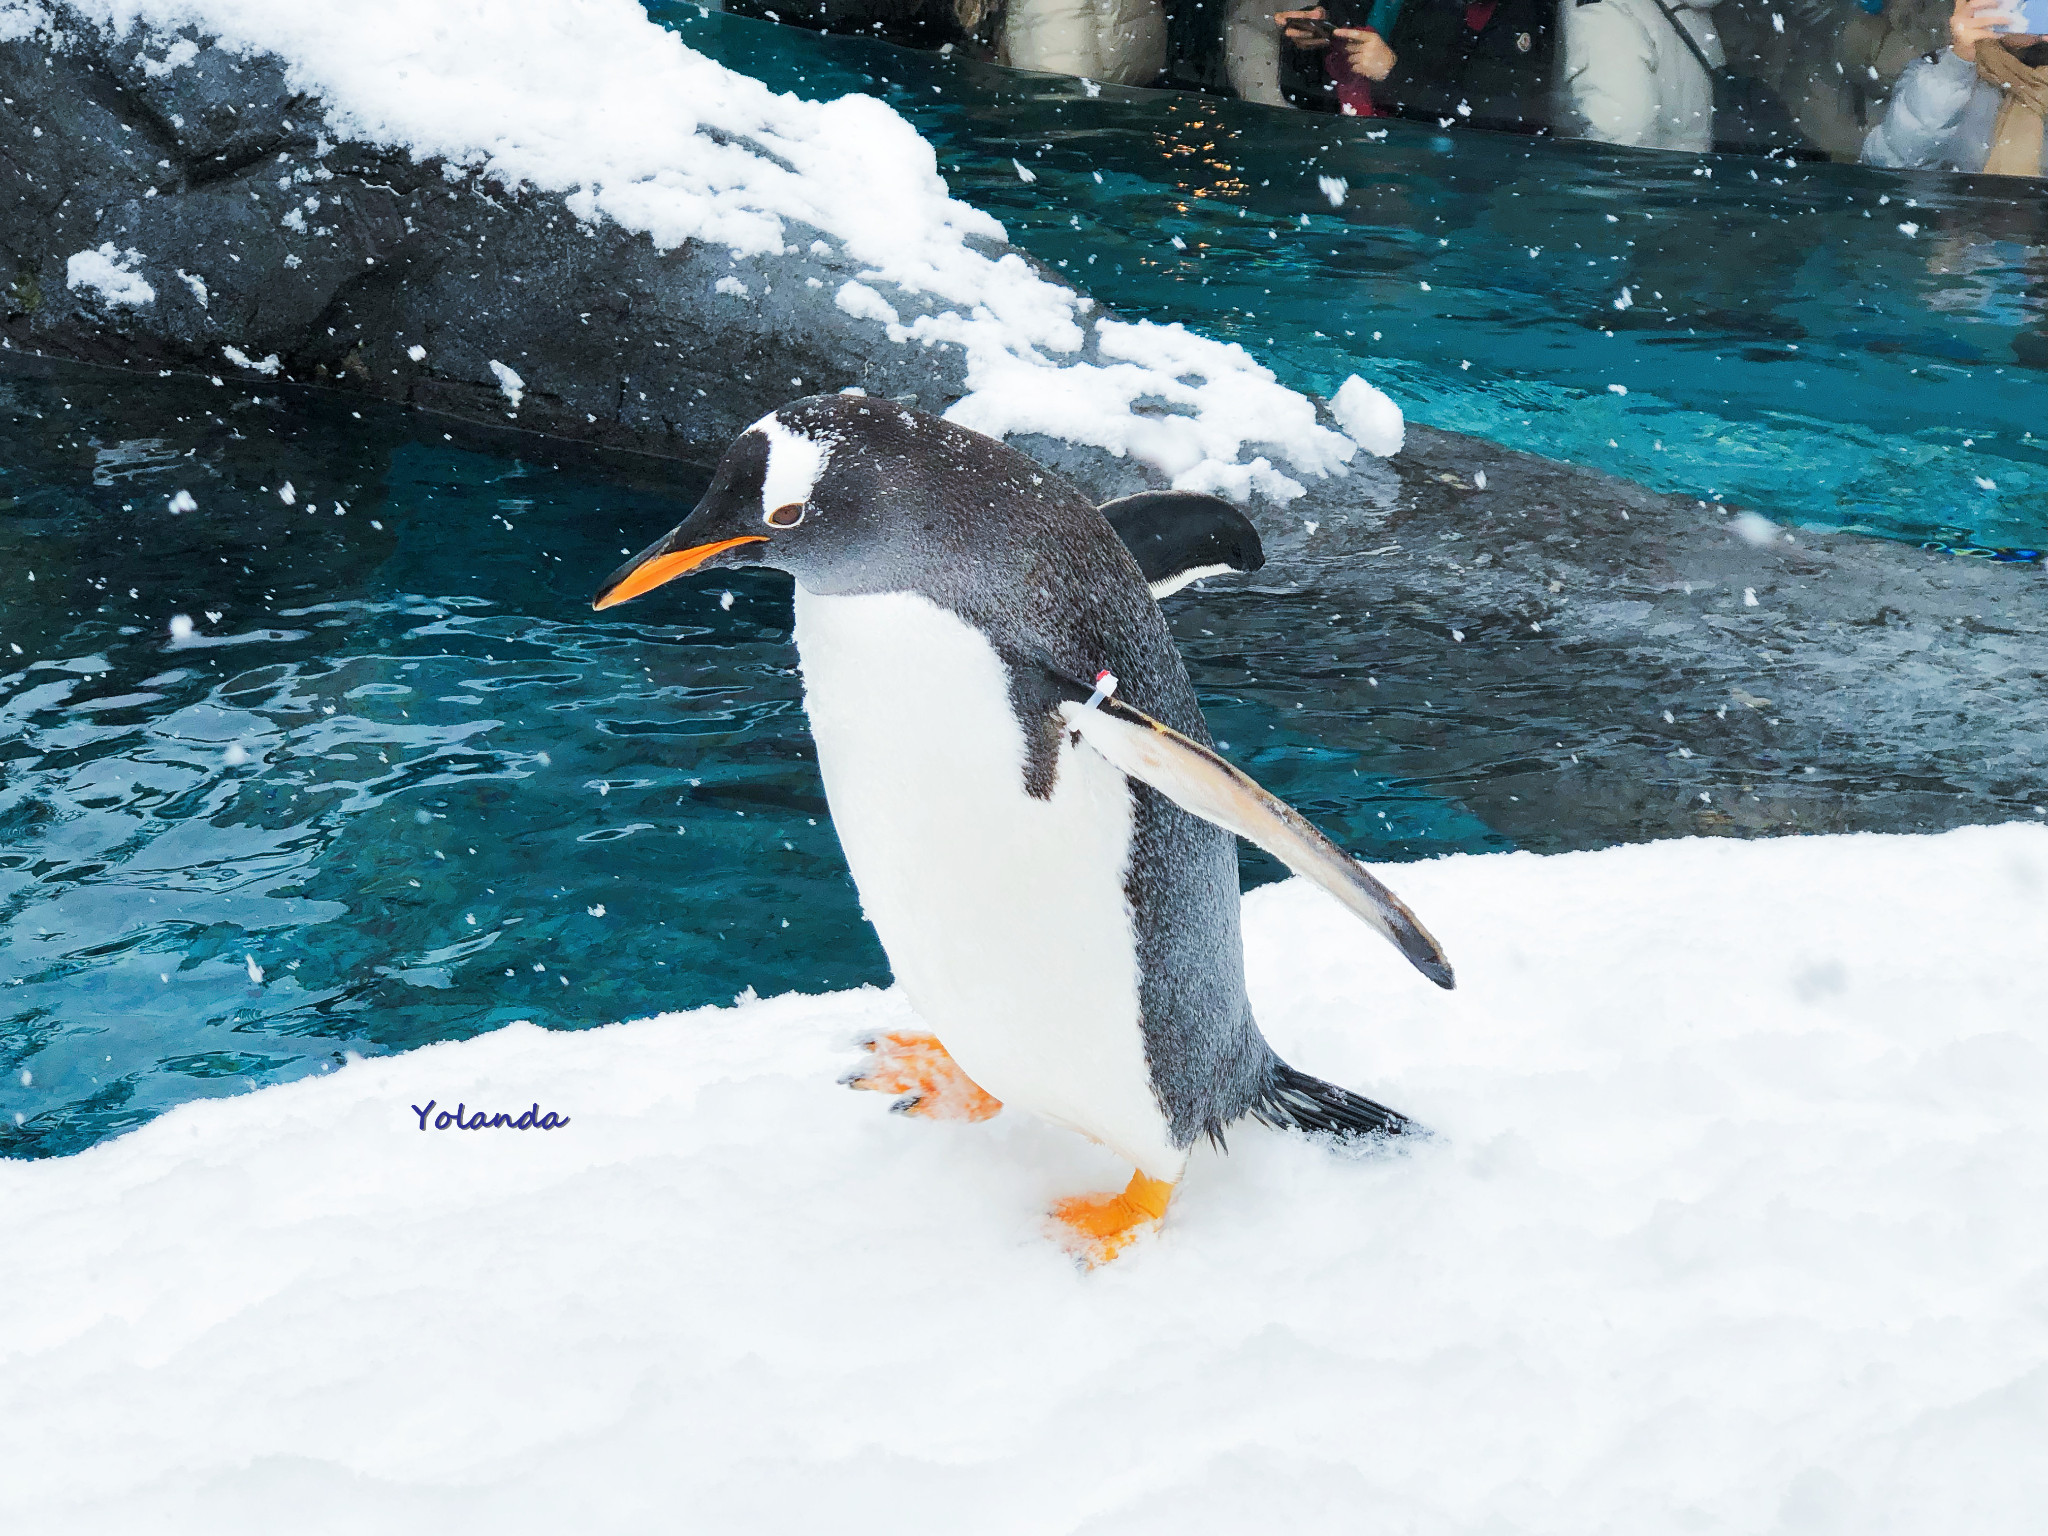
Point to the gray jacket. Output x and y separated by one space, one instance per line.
1942 114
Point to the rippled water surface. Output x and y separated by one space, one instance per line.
398 785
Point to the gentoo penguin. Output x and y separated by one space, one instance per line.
1027 795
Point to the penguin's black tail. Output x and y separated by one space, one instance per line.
1294 1101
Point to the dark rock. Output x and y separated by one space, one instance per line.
1565 649
340 259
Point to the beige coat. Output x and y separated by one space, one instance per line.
1631 80
1122 42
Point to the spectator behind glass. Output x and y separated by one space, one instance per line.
1835 63
1477 63
1251 52
1121 41
1981 104
1342 58
1638 72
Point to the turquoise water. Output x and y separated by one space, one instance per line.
397 768
399 784
1784 346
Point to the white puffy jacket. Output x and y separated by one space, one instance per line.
1120 41
1631 79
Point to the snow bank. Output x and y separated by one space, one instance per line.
590 99
1733 1223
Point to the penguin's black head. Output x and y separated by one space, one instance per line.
761 508
844 492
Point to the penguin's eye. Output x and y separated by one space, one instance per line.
788 515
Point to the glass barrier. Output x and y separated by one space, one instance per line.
1939 84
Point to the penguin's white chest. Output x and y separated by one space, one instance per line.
1004 915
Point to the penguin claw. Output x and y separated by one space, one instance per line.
917 1066
1099 1227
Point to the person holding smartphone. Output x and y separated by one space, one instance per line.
1452 63
1980 104
1351 56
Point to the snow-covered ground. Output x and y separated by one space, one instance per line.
1734 1222
591 100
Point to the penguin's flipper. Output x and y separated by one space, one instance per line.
917 1066
1203 784
1181 536
1099 1227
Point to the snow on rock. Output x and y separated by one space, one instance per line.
22 19
111 273
1731 1222
863 303
510 385
268 367
1368 417
1754 529
592 100
177 56
1216 402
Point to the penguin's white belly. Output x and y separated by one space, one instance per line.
1004 915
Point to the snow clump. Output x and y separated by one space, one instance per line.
268 367
510 385
1368 417
1754 529
110 273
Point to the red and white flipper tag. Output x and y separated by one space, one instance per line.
1105 687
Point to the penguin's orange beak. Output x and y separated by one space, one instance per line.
651 568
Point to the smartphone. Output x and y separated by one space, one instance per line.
2029 17
1323 29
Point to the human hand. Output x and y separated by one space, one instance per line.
1973 22
1291 28
1369 53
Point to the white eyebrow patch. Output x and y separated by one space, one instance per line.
794 464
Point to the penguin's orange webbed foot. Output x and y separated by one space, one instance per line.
917 1065
1099 1227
